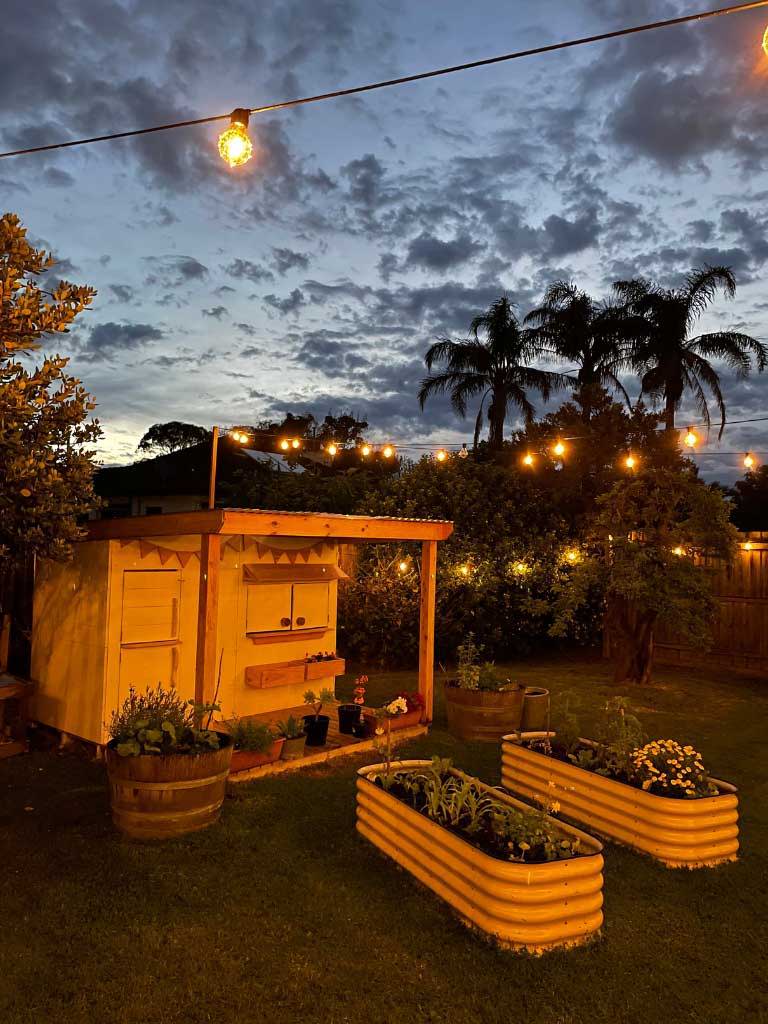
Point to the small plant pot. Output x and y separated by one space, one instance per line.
316 729
349 716
242 760
404 721
535 709
360 730
293 748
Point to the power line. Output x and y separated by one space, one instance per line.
406 79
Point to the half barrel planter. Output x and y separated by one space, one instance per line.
532 907
484 715
679 833
162 797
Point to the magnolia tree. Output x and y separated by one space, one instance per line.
45 425
650 539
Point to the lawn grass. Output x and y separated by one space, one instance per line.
281 913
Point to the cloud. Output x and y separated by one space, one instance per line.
58 178
109 341
174 271
434 254
123 292
249 271
284 260
216 312
289 305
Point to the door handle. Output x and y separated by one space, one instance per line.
285 622
300 621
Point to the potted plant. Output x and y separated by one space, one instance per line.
401 713
481 703
316 725
655 796
167 768
349 714
254 744
293 732
506 868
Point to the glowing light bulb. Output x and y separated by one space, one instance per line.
441 455
387 451
403 567
463 454
285 445
559 449
748 545
528 459
365 451
295 443
332 449
691 438
572 555
235 146
749 460
630 462
519 568
765 41
678 551
464 570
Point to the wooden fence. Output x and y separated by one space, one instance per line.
740 630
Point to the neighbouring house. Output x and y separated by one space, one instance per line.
232 602
178 482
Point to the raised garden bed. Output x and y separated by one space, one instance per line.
528 906
685 833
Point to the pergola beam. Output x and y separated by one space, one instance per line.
427 626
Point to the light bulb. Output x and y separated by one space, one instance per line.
295 443
387 451
691 438
747 545
403 567
630 462
559 449
332 449
528 459
749 460
235 146
463 454
520 568
464 570
441 456
572 555
285 445
365 451
678 550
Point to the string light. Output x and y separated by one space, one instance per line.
464 570
691 438
520 569
239 436
748 545
463 453
528 459
749 460
332 449
387 451
403 566
559 449
235 146
295 443
630 462
572 556
365 450
679 551
441 455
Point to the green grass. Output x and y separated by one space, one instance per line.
281 913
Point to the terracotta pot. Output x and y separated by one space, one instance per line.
536 907
404 721
535 716
293 748
484 715
242 760
160 797
679 833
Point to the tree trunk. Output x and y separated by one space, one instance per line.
631 642
496 426
669 413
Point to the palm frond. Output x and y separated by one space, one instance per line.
701 287
734 348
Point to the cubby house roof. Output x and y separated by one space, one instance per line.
257 522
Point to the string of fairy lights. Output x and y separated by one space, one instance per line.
555 451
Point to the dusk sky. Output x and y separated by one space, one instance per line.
315 276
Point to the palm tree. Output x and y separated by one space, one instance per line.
672 362
495 368
571 326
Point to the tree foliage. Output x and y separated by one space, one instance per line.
45 425
163 438
750 500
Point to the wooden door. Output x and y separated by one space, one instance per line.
268 608
151 601
310 605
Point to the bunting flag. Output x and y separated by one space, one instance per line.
237 542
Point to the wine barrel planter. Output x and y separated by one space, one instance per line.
156 797
535 717
484 715
533 907
679 833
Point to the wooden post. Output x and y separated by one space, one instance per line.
214 460
207 617
427 626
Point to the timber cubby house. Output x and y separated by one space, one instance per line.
165 598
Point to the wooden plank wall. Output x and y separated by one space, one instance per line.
740 631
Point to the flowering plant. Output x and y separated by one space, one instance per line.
358 692
415 700
666 768
398 706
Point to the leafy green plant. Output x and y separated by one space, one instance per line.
468 663
161 722
325 696
292 728
249 735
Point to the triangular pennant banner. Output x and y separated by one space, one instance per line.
165 555
184 557
145 549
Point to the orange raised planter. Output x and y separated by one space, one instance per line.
680 833
533 907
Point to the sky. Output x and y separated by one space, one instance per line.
315 277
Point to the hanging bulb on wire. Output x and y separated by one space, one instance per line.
365 450
441 455
463 453
528 459
332 448
559 449
387 451
691 438
235 146
749 459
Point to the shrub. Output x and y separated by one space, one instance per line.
162 722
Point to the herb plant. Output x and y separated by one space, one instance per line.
325 696
292 728
253 736
162 722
